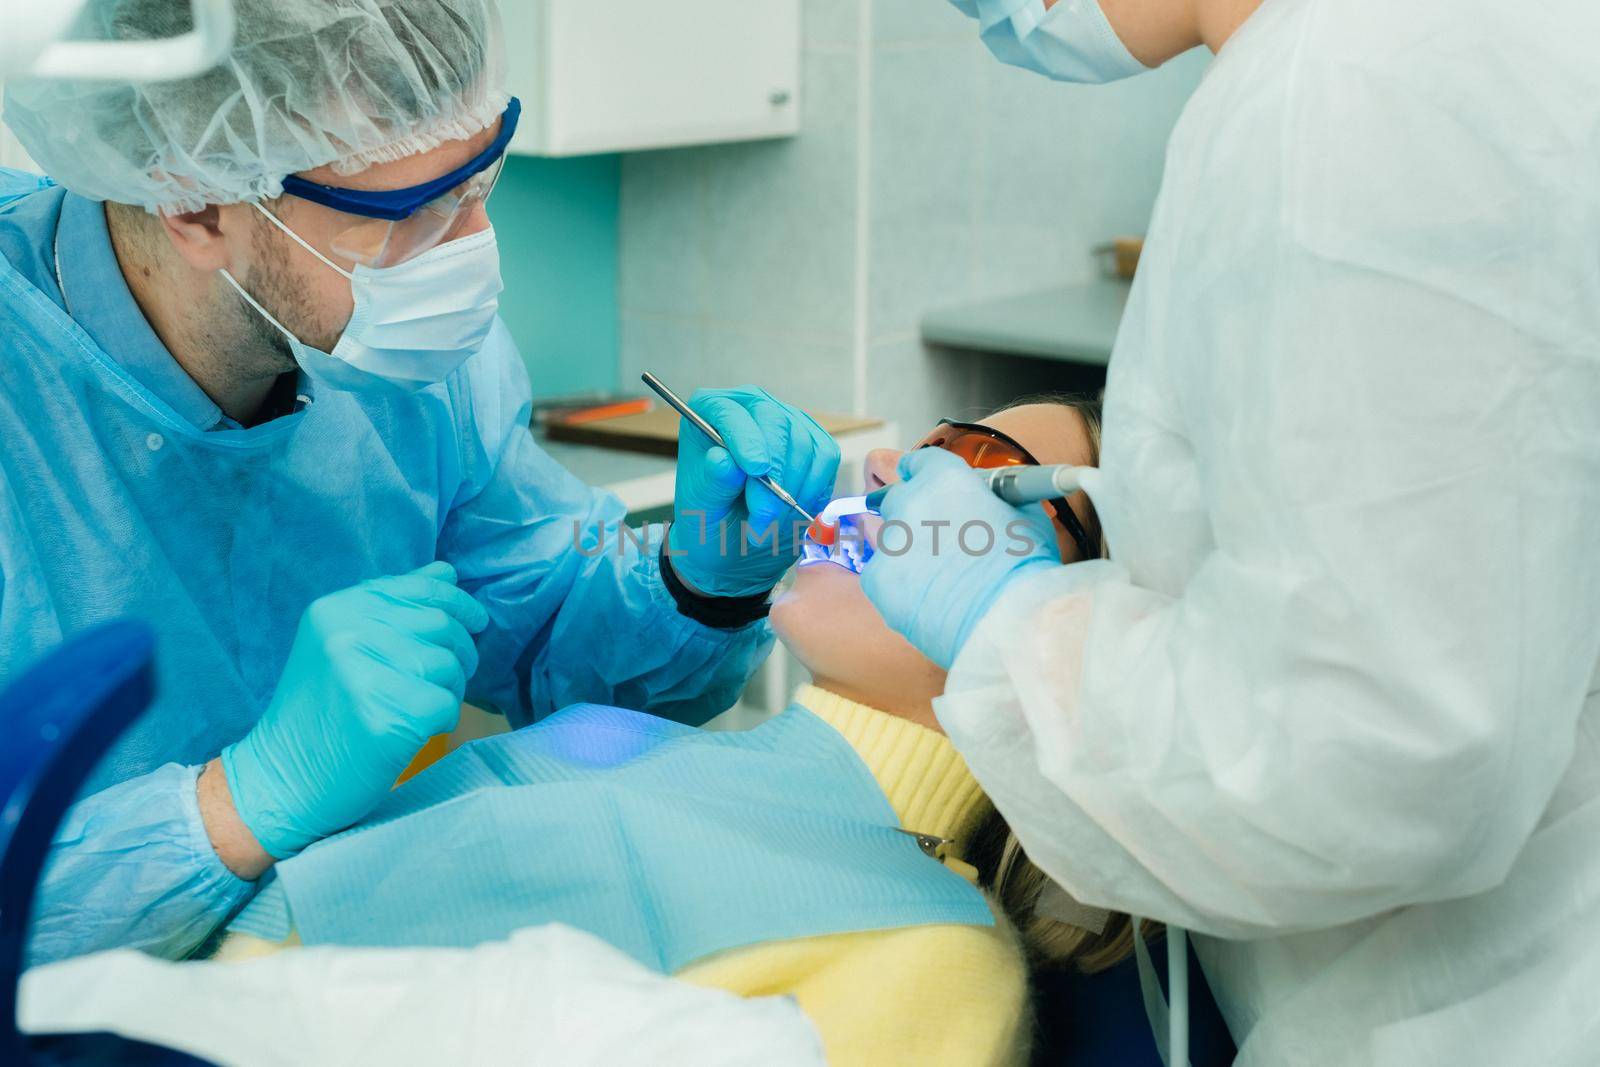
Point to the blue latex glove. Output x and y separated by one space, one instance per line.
944 581
374 672
731 536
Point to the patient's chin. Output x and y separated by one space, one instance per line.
820 589
826 620
823 606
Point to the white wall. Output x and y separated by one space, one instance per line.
926 174
12 153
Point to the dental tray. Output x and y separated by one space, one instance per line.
656 431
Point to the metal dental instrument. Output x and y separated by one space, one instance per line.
710 431
1017 485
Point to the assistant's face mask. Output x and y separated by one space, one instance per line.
1072 41
413 324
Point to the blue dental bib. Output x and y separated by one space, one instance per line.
669 842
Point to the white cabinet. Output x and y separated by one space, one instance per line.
616 75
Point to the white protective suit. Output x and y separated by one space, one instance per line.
1336 700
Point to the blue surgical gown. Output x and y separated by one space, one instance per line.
124 491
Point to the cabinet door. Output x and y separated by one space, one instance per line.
614 75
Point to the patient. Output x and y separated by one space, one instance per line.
920 977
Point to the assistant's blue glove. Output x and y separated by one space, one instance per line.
947 548
731 536
374 672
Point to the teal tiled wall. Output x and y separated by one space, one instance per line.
556 221
926 175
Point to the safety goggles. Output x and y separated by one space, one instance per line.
985 448
391 226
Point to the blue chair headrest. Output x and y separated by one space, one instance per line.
59 717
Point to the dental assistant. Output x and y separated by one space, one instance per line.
254 392
1335 699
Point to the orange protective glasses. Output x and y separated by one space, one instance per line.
984 448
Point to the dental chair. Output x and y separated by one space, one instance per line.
58 718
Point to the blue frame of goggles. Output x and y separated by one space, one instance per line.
394 205
388 227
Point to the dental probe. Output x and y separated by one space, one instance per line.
716 438
1017 485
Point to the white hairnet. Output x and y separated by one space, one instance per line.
308 83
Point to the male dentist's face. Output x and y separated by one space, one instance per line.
311 300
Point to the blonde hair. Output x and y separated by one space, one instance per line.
1017 886
1004 868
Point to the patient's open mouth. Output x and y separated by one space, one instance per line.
839 536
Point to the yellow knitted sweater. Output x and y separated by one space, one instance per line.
926 995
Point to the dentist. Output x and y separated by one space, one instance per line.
254 392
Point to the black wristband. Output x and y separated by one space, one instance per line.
717 612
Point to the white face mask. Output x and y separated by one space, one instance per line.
1071 42
413 323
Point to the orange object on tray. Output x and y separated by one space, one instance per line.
636 406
